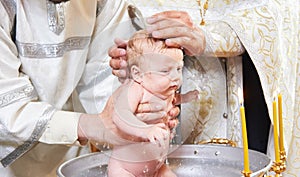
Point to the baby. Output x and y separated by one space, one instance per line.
155 76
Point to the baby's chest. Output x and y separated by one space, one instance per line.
150 98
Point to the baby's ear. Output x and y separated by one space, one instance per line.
136 73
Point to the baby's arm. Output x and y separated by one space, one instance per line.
185 98
126 102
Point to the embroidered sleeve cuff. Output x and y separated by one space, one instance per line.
61 129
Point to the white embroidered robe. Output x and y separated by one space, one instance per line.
57 63
269 31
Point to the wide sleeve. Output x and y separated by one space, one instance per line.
97 82
221 40
23 117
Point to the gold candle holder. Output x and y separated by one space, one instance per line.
282 161
278 168
246 173
282 156
279 165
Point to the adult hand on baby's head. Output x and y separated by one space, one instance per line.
178 30
118 61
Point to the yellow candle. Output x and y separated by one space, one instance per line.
244 132
245 139
275 127
281 140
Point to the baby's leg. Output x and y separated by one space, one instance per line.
119 172
165 171
116 170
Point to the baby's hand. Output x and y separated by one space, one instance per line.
157 134
187 97
190 96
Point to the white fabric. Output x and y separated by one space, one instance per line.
207 119
269 31
50 75
62 129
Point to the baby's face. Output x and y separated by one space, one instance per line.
162 71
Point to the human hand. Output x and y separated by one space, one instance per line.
151 111
178 30
187 97
157 133
118 61
100 127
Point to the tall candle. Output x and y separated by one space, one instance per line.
244 133
275 127
281 140
245 139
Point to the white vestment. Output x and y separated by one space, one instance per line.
53 61
269 31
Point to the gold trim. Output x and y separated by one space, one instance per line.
219 141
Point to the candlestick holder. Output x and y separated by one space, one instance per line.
246 173
276 167
283 156
279 167
282 161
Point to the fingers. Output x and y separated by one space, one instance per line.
116 52
174 112
159 135
120 43
148 107
176 15
173 123
179 35
192 40
178 30
169 14
172 27
118 59
118 68
150 112
151 116
165 23
116 63
146 115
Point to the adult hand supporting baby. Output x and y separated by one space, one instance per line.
118 60
146 111
178 30
100 127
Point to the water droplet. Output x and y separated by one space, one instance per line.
217 153
167 161
146 169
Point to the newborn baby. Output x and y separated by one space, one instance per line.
155 76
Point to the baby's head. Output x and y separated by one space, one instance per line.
142 47
153 64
